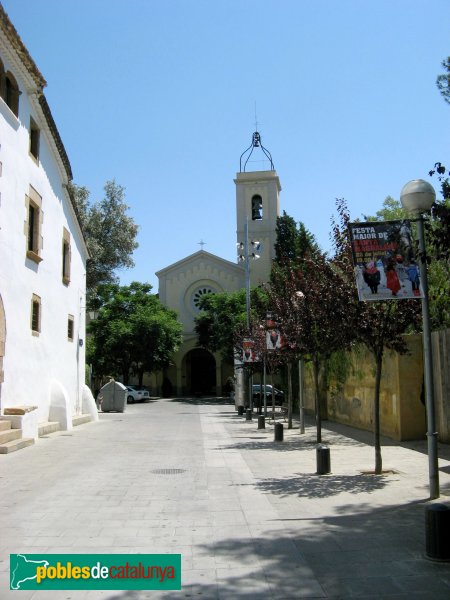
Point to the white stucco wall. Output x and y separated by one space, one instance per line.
32 363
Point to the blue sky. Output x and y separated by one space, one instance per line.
160 96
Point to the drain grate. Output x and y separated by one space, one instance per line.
168 471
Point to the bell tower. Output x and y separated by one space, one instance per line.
257 209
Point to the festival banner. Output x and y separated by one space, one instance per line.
249 353
385 264
274 340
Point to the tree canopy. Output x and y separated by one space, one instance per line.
443 80
378 325
109 231
222 320
132 333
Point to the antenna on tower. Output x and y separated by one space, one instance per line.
256 119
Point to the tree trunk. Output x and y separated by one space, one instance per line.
317 400
289 369
376 415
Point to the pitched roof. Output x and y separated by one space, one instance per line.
19 48
199 255
14 39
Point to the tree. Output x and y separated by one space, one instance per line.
315 307
133 333
443 80
392 210
380 325
220 315
294 241
109 232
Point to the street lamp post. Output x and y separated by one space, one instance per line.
417 197
246 246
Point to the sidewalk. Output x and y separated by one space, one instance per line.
249 515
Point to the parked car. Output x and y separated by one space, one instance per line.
137 394
279 394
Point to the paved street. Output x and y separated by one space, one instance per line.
249 515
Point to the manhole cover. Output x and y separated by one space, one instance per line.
168 471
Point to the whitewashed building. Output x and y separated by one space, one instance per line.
42 251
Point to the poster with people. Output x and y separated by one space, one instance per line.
274 341
249 353
385 264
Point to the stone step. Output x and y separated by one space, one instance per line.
81 419
47 427
14 445
10 434
4 425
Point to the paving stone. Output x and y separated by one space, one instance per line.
251 520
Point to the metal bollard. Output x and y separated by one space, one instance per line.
240 410
437 523
261 422
323 459
278 432
248 414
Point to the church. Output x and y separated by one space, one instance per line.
196 371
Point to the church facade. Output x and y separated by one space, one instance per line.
195 370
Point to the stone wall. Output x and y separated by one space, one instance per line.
401 399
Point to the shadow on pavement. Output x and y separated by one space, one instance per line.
217 401
374 553
309 485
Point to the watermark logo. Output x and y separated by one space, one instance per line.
95 572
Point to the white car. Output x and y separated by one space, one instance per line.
136 394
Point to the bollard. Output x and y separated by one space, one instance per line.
437 523
323 459
248 414
240 410
278 432
261 422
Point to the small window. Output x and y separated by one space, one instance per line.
257 208
9 91
66 252
70 328
34 140
33 225
35 315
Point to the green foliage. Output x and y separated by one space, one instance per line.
222 317
392 210
293 242
443 80
109 232
133 333
339 367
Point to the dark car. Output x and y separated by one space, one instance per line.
279 394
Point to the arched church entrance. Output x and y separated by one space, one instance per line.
200 371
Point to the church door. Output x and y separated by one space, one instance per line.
200 372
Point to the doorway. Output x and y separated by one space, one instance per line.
200 366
